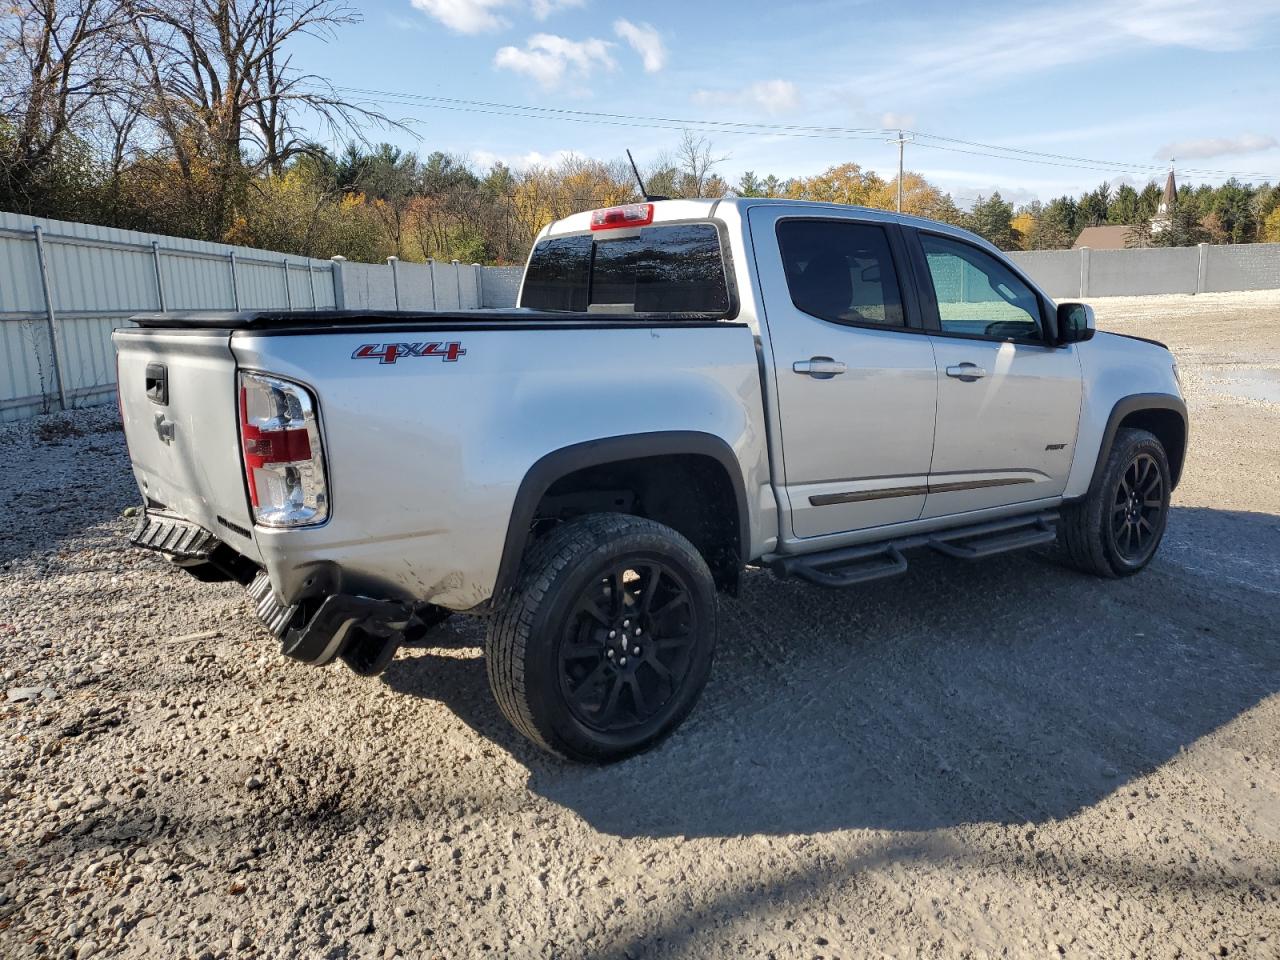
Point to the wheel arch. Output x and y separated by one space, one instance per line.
1163 414
653 453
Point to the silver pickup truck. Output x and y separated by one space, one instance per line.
687 388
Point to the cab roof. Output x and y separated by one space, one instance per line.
707 209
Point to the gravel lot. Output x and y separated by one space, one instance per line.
998 759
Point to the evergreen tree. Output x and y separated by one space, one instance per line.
992 218
1124 206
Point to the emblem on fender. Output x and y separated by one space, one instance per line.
391 352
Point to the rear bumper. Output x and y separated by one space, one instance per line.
192 547
315 630
318 632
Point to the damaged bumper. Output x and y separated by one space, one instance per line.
363 631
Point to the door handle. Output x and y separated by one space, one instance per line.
968 372
820 368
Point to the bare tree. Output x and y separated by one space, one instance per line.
222 92
58 60
695 160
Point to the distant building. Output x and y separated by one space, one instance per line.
1103 238
1168 200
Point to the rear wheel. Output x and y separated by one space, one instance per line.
606 642
1117 529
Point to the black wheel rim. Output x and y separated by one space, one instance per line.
627 646
1138 508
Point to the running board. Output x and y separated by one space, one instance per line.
849 566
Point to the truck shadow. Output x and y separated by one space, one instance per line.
1010 691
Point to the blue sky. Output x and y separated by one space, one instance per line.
1130 81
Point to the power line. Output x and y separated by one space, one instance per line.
761 128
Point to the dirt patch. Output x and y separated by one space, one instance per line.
1000 759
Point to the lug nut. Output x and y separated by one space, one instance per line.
609 653
626 623
638 631
636 651
612 634
623 661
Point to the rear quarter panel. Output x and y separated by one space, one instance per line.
425 456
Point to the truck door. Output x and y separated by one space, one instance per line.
855 376
1008 400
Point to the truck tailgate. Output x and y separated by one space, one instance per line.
178 401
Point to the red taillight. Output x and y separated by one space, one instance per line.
283 462
284 446
631 215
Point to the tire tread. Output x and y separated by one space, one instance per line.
511 630
1080 524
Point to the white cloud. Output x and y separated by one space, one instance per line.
545 8
965 56
771 96
465 16
1206 147
897 121
548 58
646 41
485 159
1192 23
477 16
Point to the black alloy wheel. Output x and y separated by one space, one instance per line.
1137 509
605 642
1116 529
625 651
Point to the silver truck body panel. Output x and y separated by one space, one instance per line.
425 457
1113 368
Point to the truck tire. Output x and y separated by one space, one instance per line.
606 641
1116 529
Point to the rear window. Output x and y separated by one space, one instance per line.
664 269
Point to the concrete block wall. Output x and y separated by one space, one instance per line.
1206 268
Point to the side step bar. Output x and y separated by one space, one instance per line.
849 566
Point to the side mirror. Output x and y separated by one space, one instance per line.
1076 323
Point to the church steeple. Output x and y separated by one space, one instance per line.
1170 197
1168 200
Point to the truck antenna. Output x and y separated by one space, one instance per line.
643 192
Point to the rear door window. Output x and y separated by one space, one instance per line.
677 268
842 271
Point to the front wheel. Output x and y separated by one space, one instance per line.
606 642
1115 531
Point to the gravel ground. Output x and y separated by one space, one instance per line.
1000 759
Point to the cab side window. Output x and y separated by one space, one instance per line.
842 271
978 296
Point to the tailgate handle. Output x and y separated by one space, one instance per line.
158 383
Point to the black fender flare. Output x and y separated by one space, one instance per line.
1133 404
591 453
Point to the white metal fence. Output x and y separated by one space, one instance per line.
65 286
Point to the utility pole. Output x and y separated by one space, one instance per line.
901 141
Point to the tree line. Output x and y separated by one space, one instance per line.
187 117
1233 212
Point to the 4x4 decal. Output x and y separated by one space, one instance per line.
391 352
